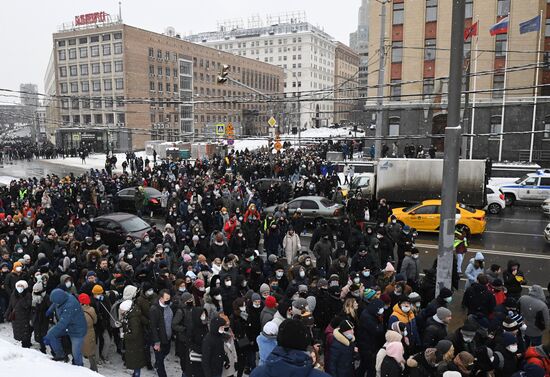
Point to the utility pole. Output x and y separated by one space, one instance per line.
452 145
380 89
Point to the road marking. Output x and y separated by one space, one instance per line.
494 252
517 220
514 234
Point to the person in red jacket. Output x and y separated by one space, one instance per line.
230 226
539 356
497 289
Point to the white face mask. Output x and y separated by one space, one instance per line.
68 284
356 280
18 269
523 327
243 308
203 317
406 309
448 299
302 274
513 348
228 283
380 311
20 289
221 330
218 297
279 275
256 305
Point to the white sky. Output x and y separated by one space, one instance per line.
26 26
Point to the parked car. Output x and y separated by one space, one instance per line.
126 199
546 207
116 226
314 208
495 200
425 217
285 188
531 188
547 233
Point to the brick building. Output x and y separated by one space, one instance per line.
346 70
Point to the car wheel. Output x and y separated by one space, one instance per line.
494 208
509 199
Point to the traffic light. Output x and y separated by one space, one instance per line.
222 77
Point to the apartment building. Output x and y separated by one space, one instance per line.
346 70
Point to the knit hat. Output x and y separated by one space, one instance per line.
84 299
322 283
187 258
272 258
445 292
516 317
400 277
90 273
186 296
443 313
393 336
129 292
451 373
97 289
255 297
302 288
300 303
345 325
270 328
270 302
38 287
22 283
508 339
264 288
369 293
443 346
533 370
386 299
293 334
191 275
389 267
199 283
414 297
509 324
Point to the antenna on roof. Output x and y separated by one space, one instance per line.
120 11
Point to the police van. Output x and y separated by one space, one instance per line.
531 188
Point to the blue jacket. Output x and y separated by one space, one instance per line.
71 317
289 363
265 345
341 356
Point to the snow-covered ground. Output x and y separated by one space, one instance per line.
94 161
21 362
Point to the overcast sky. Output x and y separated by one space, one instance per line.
26 27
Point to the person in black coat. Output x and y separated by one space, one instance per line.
512 357
340 363
159 314
370 336
444 298
195 335
213 353
436 327
40 323
19 313
477 298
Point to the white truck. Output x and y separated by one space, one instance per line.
403 180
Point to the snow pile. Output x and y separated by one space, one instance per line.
28 363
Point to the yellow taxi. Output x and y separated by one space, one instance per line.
425 216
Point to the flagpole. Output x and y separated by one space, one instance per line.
533 124
504 90
473 121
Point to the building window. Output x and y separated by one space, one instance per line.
159 54
94 51
84 69
96 86
61 43
72 53
64 103
98 118
546 128
83 52
107 84
62 71
119 84
64 87
75 104
469 9
61 54
159 71
94 38
429 49
547 28
118 66
167 71
393 126
95 69
85 86
395 90
431 10
118 48
107 67
117 35
109 103
495 127
152 86
151 52
498 85
106 50
86 102
97 103
106 37
500 45
398 13
397 52
503 7
428 87
74 87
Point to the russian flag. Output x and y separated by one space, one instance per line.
500 27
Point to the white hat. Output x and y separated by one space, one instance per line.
22 283
271 328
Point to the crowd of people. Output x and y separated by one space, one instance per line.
233 290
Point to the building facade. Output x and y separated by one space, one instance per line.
305 53
346 69
359 42
118 86
417 66
29 95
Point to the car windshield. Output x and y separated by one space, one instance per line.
467 208
134 224
410 208
327 203
519 180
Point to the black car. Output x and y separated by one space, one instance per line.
125 199
116 226
284 188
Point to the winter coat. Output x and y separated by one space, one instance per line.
370 331
477 299
340 363
291 246
534 311
266 344
157 325
287 362
409 320
390 368
213 353
232 358
71 316
88 347
133 324
435 331
513 282
472 271
322 251
410 269
266 315
182 319
210 307
19 314
539 357
40 323
195 335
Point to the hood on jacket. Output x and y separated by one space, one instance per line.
374 306
215 324
341 338
479 256
129 292
288 362
393 336
59 296
196 317
511 263
537 292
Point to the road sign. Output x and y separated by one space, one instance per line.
220 129
230 141
229 128
272 122
278 145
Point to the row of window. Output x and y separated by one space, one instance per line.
96 86
72 70
92 103
90 39
166 71
99 119
503 8
92 51
164 118
163 87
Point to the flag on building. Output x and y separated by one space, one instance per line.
530 25
500 27
470 32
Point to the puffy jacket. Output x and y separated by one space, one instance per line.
266 344
534 311
472 271
410 269
341 355
477 299
71 317
289 363
539 357
409 320
435 331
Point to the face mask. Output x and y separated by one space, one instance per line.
415 256
492 358
342 265
146 239
449 299
25 240
221 330
279 274
19 250
230 265
20 289
130 256
256 305
379 236
394 221
405 333
73 260
356 280
251 258
138 244
18 269
203 317
406 309
366 274
398 291
68 284
228 283
182 289
513 348
523 327
302 274
243 283
468 339
380 311
308 262
218 297
243 308
149 292
99 298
